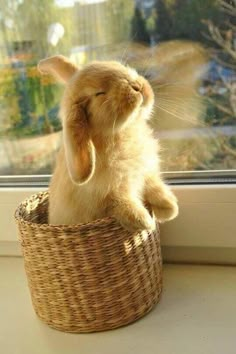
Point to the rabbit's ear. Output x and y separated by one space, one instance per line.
79 149
59 67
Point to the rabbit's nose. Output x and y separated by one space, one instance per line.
136 86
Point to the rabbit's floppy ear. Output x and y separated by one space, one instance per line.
79 149
59 67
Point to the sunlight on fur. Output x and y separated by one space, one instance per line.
108 164
175 70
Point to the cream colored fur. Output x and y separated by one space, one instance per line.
109 162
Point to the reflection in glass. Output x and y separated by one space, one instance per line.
187 49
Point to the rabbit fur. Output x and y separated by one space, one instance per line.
108 164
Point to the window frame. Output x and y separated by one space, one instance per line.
172 178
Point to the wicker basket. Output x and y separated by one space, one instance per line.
90 277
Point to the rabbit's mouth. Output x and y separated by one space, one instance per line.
134 100
141 94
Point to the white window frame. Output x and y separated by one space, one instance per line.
204 232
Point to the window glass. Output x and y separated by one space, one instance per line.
187 49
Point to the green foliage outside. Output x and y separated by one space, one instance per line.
139 31
29 102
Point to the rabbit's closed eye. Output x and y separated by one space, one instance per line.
100 93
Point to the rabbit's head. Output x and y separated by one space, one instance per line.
100 99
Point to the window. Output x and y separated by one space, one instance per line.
195 109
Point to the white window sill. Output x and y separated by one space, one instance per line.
204 232
195 315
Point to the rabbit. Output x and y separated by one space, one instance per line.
108 165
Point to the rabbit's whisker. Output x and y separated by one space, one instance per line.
175 114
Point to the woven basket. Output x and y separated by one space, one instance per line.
90 277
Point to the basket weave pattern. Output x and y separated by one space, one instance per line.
89 277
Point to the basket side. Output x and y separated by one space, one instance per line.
93 278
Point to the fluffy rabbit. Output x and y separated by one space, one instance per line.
109 162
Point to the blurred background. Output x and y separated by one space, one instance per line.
186 48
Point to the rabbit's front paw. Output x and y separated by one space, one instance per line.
167 209
137 220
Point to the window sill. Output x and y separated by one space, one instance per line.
204 231
196 314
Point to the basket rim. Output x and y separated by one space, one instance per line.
108 221
20 220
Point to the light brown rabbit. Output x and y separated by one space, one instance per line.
108 164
